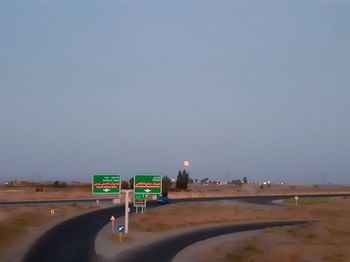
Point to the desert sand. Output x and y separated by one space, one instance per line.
327 239
21 225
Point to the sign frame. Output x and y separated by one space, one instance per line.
148 178
140 196
109 176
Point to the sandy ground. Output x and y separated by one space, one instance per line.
108 244
49 193
297 243
199 190
232 242
195 190
20 226
326 240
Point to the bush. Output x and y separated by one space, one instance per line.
166 184
59 184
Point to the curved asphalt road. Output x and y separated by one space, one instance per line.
167 249
73 240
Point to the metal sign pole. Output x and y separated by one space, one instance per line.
112 220
126 211
296 200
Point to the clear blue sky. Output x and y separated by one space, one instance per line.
240 88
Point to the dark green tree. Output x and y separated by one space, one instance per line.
59 184
179 180
166 184
205 180
125 184
186 178
131 183
182 180
236 182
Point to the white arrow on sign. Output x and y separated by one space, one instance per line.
106 189
147 190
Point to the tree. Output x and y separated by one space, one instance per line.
125 184
179 180
59 184
205 180
131 183
236 182
182 180
245 180
166 184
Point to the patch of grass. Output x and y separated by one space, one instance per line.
337 257
311 236
292 232
158 226
232 257
251 246
294 257
336 232
272 230
150 226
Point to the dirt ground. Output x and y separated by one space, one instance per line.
48 193
21 225
327 239
202 190
194 190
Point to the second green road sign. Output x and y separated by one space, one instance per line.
106 184
140 200
148 183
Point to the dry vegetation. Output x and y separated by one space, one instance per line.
19 193
203 190
325 240
22 193
19 225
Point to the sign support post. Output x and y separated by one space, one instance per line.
112 220
126 211
296 200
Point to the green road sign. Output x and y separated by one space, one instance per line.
106 184
148 183
140 200
140 196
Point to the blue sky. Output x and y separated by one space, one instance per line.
239 88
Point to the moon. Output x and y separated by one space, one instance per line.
186 163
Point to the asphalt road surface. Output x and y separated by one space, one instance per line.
73 240
167 249
53 202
